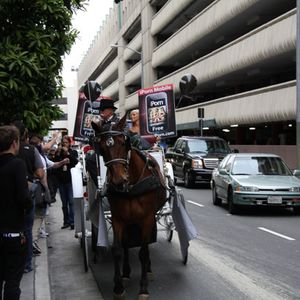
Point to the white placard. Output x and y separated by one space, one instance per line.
77 182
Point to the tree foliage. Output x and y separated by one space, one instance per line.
34 36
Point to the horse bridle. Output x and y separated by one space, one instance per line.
110 143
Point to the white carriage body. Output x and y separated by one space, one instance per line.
99 213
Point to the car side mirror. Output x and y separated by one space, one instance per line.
235 150
178 150
223 172
296 173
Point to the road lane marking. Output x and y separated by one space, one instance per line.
190 201
237 276
276 233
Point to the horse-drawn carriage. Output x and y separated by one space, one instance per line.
134 194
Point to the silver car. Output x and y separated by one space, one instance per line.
255 179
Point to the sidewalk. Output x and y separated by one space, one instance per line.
58 272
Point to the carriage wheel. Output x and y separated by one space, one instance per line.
85 251
169 227
83 241
169 235
94 243
185 259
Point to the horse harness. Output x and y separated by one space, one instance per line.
147 184
109 134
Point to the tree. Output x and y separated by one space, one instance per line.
34 37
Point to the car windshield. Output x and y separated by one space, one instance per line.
208 146
260 166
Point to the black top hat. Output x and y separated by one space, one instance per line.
106 103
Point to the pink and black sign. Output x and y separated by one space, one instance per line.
87 112
157 111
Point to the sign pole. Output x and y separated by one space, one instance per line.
201 116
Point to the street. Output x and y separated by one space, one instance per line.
253 255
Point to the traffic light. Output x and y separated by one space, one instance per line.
117 1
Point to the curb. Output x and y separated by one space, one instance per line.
41 279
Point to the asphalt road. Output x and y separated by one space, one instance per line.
254 255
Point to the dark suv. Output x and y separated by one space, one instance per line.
194 157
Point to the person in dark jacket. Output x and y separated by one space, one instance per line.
107 111
15 203
108 117
34 167
64 179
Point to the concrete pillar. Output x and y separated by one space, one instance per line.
121 75
148 43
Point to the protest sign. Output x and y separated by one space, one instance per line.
157 111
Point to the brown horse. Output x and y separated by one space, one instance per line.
136 191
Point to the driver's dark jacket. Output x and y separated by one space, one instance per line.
112 120
14 200
90 160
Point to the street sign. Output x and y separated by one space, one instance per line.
201 112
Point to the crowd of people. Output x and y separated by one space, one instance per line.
28 164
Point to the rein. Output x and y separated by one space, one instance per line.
143 184
144 169
110 143
116 161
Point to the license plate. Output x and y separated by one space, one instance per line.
274 199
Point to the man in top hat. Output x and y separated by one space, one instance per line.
108 116
107 111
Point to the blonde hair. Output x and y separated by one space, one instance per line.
134 111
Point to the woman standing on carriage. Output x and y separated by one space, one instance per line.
138 141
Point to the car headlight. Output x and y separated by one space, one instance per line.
295 189
197 164
247 188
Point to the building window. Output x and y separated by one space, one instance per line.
64 117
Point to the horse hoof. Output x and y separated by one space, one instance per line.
120 296
143 297
150 276
125 281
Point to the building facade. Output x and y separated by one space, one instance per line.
242 53
68 104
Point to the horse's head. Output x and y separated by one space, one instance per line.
113 144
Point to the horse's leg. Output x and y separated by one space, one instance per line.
126 267
149 271
119 291
144 256
144 259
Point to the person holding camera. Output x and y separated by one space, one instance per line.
64 179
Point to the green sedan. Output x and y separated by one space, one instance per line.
255 179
